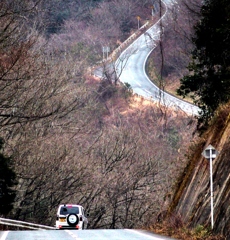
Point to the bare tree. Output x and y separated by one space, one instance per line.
68 140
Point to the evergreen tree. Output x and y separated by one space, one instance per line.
209 80
7 181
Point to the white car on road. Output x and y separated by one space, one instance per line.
71 216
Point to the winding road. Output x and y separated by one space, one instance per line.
130 66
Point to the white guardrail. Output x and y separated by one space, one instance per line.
22 224
127 41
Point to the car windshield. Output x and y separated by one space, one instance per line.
68 210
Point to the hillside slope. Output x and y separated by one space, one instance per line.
192 200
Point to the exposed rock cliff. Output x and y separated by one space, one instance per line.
192 199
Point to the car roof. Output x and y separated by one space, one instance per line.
70 205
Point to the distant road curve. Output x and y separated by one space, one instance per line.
115 234
131 67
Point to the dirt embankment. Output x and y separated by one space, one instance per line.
192 200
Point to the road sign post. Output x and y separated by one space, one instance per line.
105 50
210 153
152 7
138 22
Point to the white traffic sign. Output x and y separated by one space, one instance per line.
210 152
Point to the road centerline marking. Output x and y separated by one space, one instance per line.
72 235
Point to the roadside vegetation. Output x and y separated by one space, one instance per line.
175 227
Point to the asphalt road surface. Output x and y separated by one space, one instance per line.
131 68
124 234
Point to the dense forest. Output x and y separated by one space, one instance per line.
73 138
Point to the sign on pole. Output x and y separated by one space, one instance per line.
210 153
105 50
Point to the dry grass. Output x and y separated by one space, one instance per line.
170 83
174 227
